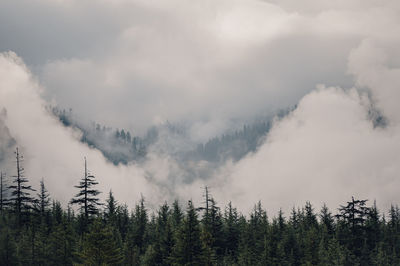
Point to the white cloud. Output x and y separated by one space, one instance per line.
133 63
52 151
328 149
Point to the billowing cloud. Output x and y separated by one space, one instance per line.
51 151
329 148
136 63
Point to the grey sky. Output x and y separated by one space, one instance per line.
137 63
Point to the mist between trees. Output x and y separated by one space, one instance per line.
37 230
122 146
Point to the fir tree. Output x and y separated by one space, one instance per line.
177 215
231 230
188 248
62 244
44 199
135 238
353 217
111 209
87 195
100 246
3 200
327 219
20 191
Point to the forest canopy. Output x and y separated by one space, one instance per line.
36 230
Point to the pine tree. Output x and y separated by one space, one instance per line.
44 199
86 197
100 246
3 200
177 215
327 219
231 231
164 236
20 192
123 220
310 219
135 238
140 221
211 233
188 248
123 135
257 230
373 228
111 209
62 244
128 137
353 217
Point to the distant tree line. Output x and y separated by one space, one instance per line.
121 146
35 230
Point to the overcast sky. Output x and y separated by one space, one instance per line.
135 63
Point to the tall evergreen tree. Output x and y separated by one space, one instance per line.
100 246
212 228
136 235
188 248
231 230
327 219
44 199
177 214
3 199
20 191
164 235
111 209
87 196
62 244
353 217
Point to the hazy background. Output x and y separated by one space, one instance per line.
212 65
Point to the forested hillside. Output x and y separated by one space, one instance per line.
36 230
122 146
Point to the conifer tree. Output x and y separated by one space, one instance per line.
140 221
310 219
177 214
353 217
111 209
87 196
188 248
44 199
100 246
135 238
123 220
62 244
3 199
164 236
231 230
327 219
20 191
257 230
211 233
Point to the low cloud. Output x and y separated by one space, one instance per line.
329 148
52 151
212 65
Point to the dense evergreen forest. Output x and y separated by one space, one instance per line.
36 230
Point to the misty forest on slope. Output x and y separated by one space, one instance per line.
120 146
37 230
